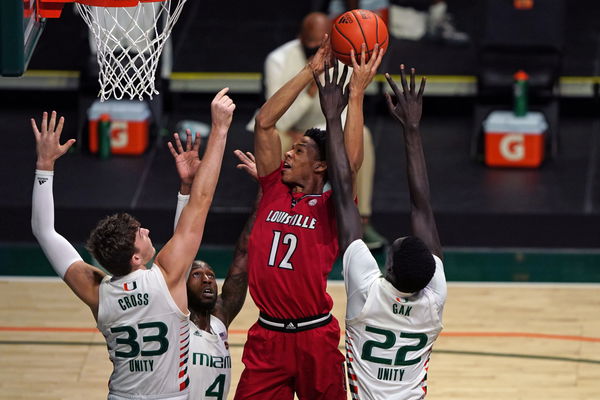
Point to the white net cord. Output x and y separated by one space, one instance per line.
129 43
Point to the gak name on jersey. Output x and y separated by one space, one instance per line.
282 217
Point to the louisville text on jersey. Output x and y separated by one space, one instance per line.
282 217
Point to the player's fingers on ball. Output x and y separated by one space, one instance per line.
324 40
363 53
377 61
373 56
353 59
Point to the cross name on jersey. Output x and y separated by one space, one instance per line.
282 217
141 299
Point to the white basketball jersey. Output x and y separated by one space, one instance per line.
147 337
389 342
210 362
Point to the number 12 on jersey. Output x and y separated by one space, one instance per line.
290 241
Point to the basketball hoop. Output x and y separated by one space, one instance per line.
130 36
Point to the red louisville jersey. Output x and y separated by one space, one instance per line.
291 251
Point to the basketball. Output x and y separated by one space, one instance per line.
352 29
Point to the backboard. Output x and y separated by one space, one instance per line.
19 33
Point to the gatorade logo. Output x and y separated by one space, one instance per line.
119 135
512 147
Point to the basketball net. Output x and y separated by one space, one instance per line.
130 41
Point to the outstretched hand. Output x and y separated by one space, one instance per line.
247 163
47 141
333 95
363 73
221 110
409 105
186 161
322 56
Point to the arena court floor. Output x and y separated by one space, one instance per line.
501 341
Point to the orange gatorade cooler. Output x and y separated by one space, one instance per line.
129 120
512 141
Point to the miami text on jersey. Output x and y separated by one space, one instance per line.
211 361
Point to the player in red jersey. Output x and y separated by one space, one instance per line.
293 347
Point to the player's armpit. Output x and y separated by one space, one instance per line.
84 280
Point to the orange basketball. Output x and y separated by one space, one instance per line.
352 29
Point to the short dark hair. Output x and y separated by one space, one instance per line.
112 242
318 135
413 265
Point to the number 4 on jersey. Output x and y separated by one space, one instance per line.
216 389
290 240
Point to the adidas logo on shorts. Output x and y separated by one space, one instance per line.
290 326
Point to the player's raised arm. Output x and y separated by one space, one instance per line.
333 101
177 255
408 110
362 75
81 277
267 144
